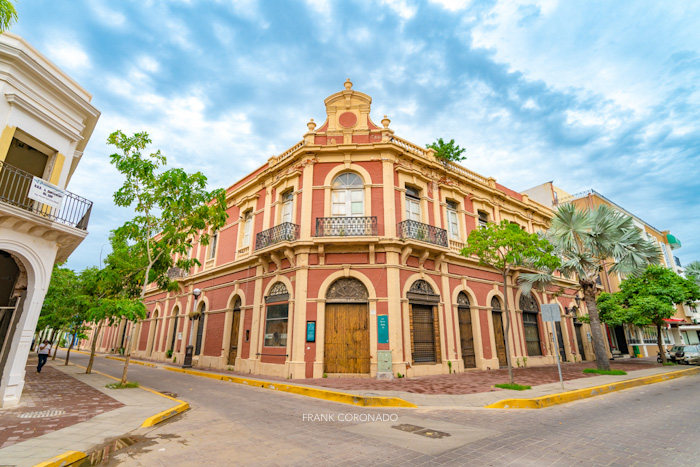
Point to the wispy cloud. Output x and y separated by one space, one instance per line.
601 95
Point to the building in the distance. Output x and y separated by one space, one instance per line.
46 120
626 339
341 256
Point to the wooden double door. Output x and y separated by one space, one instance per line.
346 347
233 346
500 339
466 335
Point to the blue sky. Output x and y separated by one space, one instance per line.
602 95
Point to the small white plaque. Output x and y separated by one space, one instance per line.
372 312
46 193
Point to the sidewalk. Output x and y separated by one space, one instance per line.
63 409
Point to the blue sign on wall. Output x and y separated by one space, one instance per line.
383 329
311 331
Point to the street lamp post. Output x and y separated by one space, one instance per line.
189 350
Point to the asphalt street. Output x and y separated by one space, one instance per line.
232 424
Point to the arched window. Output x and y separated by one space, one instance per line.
247 226
453 220
347 289
276 319
287 199
530 309
463 300
412 204
348 195
425 328
495 304
176 312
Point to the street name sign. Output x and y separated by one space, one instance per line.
46 193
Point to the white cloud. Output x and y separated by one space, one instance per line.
68 55
402 8
452 5
148 64
106 15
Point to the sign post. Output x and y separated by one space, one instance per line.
551 313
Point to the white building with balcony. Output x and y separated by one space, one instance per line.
46 120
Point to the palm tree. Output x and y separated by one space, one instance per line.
585 240
8 15
692 271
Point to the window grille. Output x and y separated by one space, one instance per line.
531 326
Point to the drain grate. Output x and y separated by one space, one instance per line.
43 414
421 431
169 394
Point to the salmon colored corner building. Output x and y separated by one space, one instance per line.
341 256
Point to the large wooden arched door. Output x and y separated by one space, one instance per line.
499 335
425 326
346 346
466 331
235 324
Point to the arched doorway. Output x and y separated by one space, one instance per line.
499 335
9 302
466 331
173 338
153 333
346 346
425 329
235 324
200 328
531 310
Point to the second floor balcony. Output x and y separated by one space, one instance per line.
346 226
423 232
15 184
285 232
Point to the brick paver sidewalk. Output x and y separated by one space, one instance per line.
63 400
471 382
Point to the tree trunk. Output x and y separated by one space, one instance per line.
128 353
93 347
57 344
507 313
599 347
70 346
659 342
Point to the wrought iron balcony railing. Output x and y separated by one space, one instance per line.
285 232
346 226
423 232
14 190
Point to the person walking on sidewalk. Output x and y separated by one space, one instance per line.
44 350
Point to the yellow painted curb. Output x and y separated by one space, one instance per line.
67 458
159 417
131 360
364 401
570 396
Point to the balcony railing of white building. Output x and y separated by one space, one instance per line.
14 190
346 226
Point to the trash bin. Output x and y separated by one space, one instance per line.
637 352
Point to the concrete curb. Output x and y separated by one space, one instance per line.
65 459
565 397
131 360
159 417
333 396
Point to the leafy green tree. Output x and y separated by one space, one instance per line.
692 271
506 246
588 240
648 299
173 209
447 151
8 15
59 303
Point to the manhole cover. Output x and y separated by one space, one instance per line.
407 427
428 433
43 414
419 430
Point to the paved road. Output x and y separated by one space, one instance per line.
232 424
